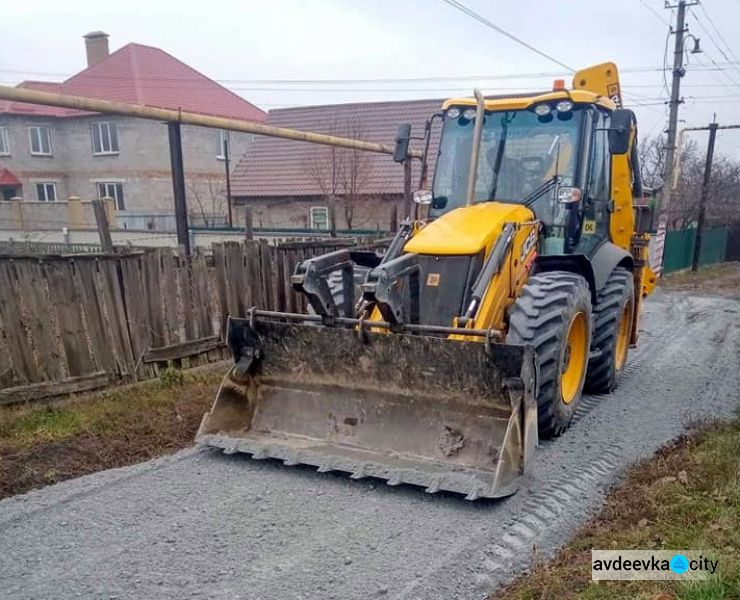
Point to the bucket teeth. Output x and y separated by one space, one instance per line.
260 454
473 494
231 450
325 468
359 473
291 461
395 479
433 487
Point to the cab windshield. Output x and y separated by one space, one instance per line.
520 151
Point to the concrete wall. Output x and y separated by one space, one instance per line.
156 239
142 164
370 213
29 216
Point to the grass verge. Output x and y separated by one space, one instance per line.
722 279
40 445
686 497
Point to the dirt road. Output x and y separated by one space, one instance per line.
204 525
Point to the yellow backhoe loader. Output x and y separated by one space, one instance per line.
519 283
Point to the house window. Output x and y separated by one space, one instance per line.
112 190
46 191
319 217
4 142
104 138
40 137
8 192
223 142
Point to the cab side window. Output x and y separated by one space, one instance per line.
597 200
598 188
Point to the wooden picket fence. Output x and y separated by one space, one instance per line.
75 323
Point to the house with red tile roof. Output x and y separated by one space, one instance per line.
294 185
48 154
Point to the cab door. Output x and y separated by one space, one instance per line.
594 225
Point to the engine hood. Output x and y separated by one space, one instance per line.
468 229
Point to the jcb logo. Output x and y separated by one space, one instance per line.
528 244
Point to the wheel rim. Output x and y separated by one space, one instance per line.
623 337
574 361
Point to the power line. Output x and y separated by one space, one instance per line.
717 45
461 7
715 73
705 29
719 34
665 61
431 79
655 13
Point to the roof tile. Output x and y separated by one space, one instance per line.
278 167
138 74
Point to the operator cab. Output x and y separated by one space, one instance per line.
551 156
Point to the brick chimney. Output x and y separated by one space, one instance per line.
96 46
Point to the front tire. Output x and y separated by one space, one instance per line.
553 314
613 316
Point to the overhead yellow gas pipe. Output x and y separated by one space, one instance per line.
162 114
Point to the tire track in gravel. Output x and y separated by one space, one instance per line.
211 526
555 499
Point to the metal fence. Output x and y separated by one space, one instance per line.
166 221
679 248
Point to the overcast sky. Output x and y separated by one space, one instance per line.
254 46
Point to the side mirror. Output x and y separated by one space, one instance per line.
401 152
619 131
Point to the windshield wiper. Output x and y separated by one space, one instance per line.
542 190
505 120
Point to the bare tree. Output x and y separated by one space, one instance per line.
723 202
651 152
210 199
685 198
321 166
354 171
340 174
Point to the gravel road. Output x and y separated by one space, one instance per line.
200 524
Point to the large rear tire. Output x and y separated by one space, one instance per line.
553 314
613 316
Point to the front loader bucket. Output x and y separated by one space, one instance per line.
427 411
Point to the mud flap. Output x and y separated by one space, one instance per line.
427 411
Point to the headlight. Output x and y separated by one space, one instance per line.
469 114
542 110
564 106
453 113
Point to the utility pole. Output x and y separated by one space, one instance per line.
228 180
178 186
675 101
704 193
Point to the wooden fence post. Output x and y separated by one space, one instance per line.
101 218
248 222
394 216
